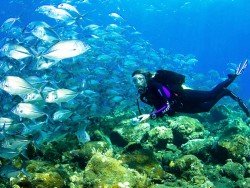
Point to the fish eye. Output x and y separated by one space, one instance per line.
6 85
31 96
21 111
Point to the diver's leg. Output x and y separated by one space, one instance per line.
223 85
196 96
206 106
205 96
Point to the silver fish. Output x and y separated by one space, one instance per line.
115 16
36 81
82 135
69 8
91 27
16 86
56 13
14 129
15 142
62 115
45 34
33 97
7 24
5 67
34 24
5 122
7 153
34 128
66 49
27 110
43 64
15 51
60 95
46 9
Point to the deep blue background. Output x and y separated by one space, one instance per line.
217 32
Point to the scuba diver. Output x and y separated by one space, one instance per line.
165 93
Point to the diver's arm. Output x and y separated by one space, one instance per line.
160 112
165 94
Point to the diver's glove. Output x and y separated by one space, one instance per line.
139 119
239 70
143 117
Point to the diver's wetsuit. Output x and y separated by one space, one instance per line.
168 102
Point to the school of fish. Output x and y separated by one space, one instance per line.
57 73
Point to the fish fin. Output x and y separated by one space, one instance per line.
82 135
40 90
45 51
34 52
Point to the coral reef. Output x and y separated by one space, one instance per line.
160 137
168 152
144 161
105 171
236 147
186 128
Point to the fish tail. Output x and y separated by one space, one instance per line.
49 120
3 129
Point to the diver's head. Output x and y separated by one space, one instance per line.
140 79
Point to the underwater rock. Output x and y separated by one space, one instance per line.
43 174
190 169
219 113
83 155
236 126
105 171
234 171
121 136
47 180
76 179
144 161
132 146
168 155
243 183
187 166
160 136
34 166
235 147
199 147
186 128
99 135
107 123
53 150
247 167
224 182
212 172
20 181
39 174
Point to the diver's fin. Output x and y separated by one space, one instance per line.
240 102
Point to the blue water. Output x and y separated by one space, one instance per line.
215 31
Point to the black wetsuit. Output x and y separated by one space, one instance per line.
167 101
